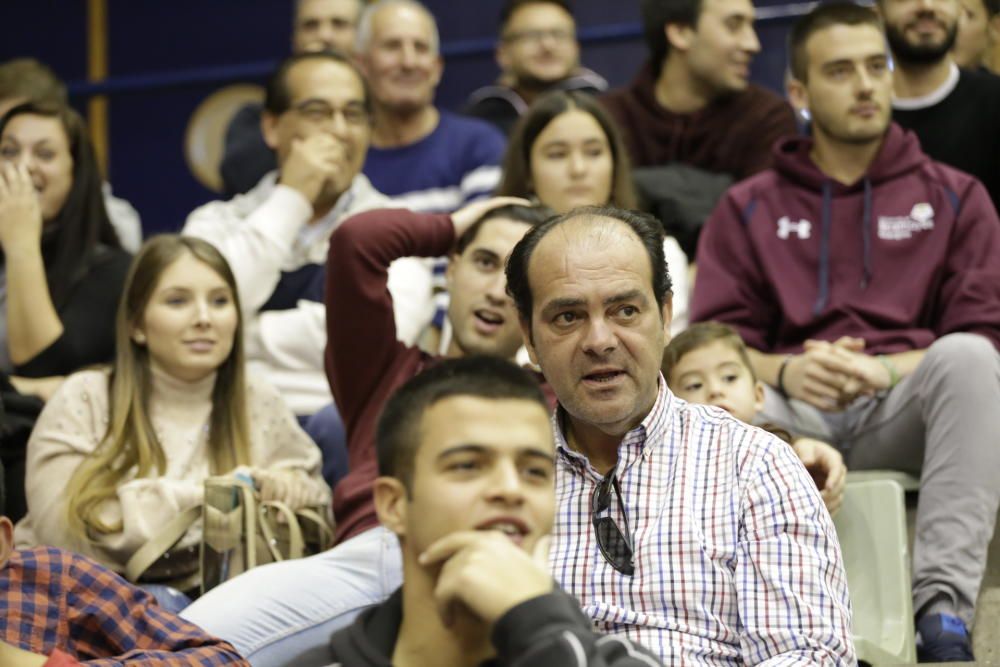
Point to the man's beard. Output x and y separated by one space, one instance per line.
919 54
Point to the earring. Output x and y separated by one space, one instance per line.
139 338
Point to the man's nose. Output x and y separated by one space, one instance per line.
338 124
409 55
865 83
600 338
506 483
326 35
496 289
751 42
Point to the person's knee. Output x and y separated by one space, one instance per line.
963 355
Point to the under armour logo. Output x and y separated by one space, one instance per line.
786 228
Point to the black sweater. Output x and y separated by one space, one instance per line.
88 318
963 129
544 631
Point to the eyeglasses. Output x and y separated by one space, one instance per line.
536 36
616 547
321 113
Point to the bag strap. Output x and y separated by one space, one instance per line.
151 551
296 543
322 525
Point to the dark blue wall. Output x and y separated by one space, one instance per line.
165 56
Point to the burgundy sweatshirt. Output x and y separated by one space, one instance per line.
905 255
365 363
732 135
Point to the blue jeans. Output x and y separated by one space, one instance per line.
326 428
284 613
169 598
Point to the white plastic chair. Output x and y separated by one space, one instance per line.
906 480
871 526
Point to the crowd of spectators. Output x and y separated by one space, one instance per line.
580 372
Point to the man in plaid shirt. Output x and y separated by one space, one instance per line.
57 609
677 525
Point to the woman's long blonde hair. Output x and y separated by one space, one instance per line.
130 444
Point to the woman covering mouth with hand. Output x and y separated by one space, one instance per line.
63 266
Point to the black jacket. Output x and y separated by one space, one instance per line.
502 105
544 631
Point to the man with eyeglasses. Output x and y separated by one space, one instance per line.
537 52
317 118
317 25
679 526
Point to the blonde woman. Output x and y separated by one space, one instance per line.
116 455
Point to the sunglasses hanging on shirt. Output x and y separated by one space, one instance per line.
616 547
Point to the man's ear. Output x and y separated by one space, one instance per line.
798 96
528 343
993 31
6 540
667 314
500 55
269 129
391 501
438 70
679 36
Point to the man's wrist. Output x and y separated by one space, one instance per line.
894 376
781 375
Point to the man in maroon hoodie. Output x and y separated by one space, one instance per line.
867 278
692 102
692 121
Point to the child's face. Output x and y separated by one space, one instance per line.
714 374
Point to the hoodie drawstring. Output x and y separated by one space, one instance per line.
824 252
866 236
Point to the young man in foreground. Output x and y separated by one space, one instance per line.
466 463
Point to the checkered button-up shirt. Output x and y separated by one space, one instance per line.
52 599
736 558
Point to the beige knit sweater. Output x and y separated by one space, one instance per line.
75 421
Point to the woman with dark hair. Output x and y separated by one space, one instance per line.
115 456
566 152
63 267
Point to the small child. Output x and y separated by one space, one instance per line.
708 364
